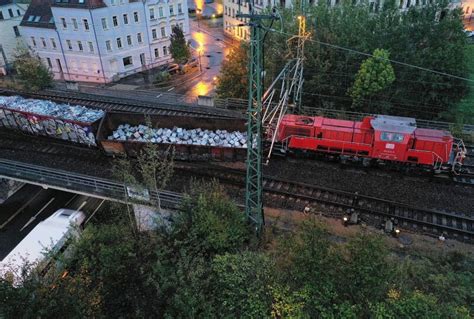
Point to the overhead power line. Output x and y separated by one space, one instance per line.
371 55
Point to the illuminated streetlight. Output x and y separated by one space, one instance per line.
198 12
200 51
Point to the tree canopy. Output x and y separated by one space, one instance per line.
179 47
232 81
207 264
30 71
429 37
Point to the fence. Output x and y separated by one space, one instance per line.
83 184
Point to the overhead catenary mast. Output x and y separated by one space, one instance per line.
253 193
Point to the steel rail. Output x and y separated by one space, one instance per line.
432 221
123 104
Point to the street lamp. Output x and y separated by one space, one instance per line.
198 12
200 49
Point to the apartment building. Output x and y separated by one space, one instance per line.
10 18
231 9
102 40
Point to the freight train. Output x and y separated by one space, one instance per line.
377 139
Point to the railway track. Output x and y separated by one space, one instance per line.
336 203
109 103
279 192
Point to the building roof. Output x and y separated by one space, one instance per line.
395 124
85 4
39 12
5 2
38 15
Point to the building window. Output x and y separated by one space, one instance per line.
165 50
49 63
129 40
153 34
115 21
17 32
1 15
63 22
171 10
157 53
127 61
125 19
74 23
180 8
79 45
33 41
160 12
91 47
53 43
108 45
69 45
119 43
86 24
152 14
139 38
18 12
10 12
104 23
163 32
43 42
135 17
181 26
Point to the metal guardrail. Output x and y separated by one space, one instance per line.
83 184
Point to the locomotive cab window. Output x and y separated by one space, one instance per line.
391 137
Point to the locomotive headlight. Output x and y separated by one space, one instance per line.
345 219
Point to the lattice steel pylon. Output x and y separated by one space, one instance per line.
253 193
286 90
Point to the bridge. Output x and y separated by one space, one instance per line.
85 185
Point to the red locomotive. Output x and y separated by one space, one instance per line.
380 138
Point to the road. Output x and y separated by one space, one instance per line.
213 53
31 205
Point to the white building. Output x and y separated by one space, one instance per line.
10 18
102 40
231 9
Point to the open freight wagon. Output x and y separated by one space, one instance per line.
50 126
112 146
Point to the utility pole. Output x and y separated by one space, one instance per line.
253 193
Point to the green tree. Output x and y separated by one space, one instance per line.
233 80
417 305
417 36
375 75
208 224
179 48
242 285
31 72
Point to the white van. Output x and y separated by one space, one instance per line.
49 236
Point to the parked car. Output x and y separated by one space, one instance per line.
170 68
191 63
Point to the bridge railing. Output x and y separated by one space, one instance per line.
83 184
